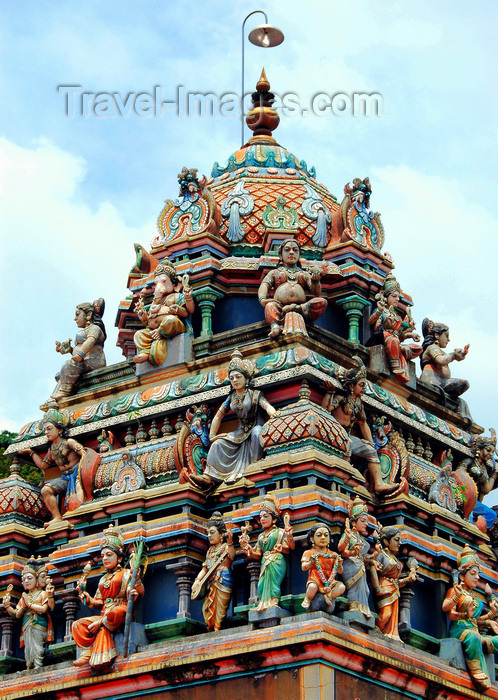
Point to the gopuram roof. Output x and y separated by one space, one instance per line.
268 397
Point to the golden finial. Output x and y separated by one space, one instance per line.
263 85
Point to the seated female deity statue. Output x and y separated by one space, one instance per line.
87 353
287 311
323 566
231 453
95 635
435 362
166 317
390 328
467 621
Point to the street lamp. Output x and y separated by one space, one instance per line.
265 36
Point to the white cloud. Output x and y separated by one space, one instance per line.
57 252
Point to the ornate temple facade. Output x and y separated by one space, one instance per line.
256 371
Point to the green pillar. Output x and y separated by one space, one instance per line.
206 300
353 305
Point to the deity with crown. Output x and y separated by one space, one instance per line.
231 453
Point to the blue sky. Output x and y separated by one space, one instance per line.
76 193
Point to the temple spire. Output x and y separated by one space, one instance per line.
262 119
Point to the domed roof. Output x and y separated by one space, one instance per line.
264 189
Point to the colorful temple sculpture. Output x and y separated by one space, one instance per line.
265 498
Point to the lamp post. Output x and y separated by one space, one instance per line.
265 36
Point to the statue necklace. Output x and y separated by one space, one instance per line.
238 399
292 274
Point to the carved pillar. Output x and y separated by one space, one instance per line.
70 605
7 624
353 305
253 569
185 575
405 599
206 300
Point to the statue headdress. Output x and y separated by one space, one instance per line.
353 376
237 362
467 559
271 505
391 284
357 508
481 441
112 540
166 267
57 417
30 567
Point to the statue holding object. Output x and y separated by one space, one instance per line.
287 311
33 607
355 551
483 469
77 465
346 407
214 580
231 453
166 317
95 635
387 581
87 353
435 362
274 542
323 565
390 329
465 610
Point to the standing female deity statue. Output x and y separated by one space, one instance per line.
323 565
33 607
464 611
275 541
87 353
355 551
387 581
290 285
390 329
231 453
214 581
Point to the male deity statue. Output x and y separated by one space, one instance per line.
166 317
483 468
346 407
287 310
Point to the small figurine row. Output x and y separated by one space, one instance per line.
467 621
117 590
323 565
119 587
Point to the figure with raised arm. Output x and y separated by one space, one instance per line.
87 353
214 580
33 607
166 317
346 407
77 465
465 612
355 551
483 469
284 291
95 635
390 328
435 362
275 541
231 453
387 581
323 565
